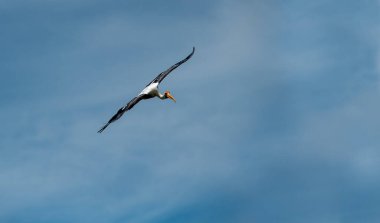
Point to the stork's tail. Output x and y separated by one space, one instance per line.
104 127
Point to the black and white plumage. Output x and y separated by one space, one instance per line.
150 91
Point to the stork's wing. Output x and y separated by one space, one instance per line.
162 75
123 109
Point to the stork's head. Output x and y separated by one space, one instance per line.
168 95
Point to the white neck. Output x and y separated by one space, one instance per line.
161 96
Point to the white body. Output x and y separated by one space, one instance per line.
152 90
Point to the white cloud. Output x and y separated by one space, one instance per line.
150 164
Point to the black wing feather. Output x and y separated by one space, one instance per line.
162 75
122 110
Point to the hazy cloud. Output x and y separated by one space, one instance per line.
276 118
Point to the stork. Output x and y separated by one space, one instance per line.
150 91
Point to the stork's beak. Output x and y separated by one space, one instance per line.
171 97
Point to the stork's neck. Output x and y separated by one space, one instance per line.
162 96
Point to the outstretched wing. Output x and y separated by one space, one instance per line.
122 110
162 75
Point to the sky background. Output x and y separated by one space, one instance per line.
276 117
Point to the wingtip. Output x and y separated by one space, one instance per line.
104 127
191 54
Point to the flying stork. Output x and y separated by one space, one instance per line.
150 91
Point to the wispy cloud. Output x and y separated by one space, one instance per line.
275 120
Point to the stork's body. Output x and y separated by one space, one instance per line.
150 91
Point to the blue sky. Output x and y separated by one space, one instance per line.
276 117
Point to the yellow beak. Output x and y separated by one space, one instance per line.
170 96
